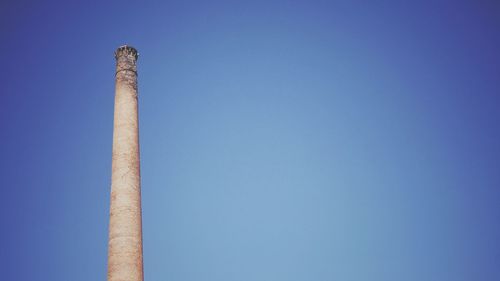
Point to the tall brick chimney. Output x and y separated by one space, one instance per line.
125 225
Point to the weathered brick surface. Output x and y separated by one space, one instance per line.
125 226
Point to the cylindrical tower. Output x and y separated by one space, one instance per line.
125 226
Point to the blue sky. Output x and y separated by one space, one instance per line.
280 140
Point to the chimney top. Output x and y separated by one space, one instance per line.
126 50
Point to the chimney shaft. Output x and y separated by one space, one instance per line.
125 226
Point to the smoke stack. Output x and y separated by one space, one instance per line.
125 225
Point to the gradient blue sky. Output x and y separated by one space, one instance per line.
280 140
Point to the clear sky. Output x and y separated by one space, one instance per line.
280 140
